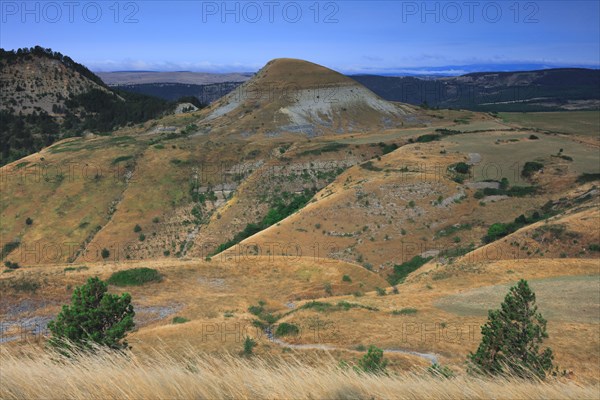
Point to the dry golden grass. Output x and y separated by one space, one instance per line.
41 374
204 292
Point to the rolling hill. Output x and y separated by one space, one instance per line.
290 95
46 96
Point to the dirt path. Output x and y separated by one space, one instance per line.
432 358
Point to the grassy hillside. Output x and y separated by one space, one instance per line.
576 122
411 202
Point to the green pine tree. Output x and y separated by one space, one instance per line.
512 337
94 316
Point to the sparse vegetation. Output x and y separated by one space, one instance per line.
81 268
340 306
457 251
370 167
280 210
121 159
450 230
20 285
405 311
327 148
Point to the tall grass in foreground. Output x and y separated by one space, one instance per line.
109 375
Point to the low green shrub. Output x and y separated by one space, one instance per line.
585 177
286 329
403 270
249 345
530 168
405 311
134 277
256 310
8 248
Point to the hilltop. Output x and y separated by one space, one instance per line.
46 96
295 96
42 80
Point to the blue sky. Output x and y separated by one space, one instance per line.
350 36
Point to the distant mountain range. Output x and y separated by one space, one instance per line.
119 78
457 70
541 90
536 90
205 93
